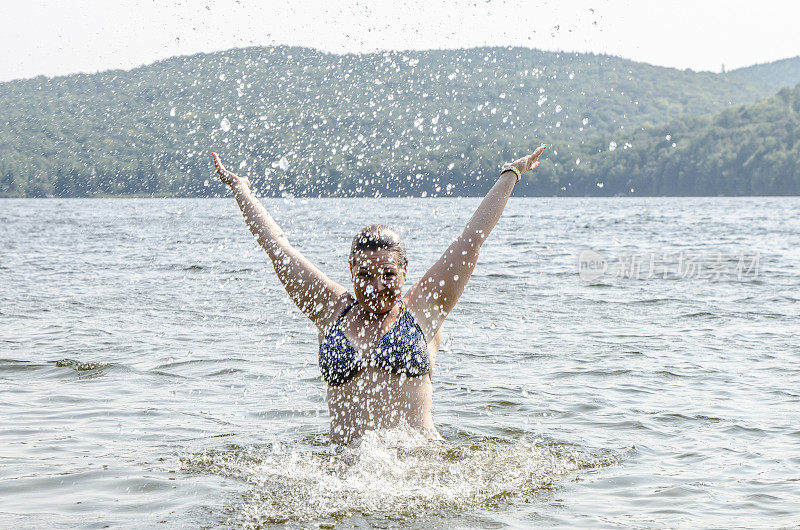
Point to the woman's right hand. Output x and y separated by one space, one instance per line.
227 177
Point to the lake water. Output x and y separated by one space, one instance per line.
152 370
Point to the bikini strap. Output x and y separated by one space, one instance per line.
347 309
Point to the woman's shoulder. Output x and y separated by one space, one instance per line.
421 313
338 306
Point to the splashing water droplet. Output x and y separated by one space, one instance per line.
374 476
225 124
283 163
612 146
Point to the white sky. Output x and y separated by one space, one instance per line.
65 36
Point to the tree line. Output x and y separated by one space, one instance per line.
439 122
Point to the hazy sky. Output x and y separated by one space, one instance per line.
65 36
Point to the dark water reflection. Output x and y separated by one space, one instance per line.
152 369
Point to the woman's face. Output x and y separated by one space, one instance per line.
378 279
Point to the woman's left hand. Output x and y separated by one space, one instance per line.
526 163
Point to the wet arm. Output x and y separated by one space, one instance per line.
440 288
432 298
314 293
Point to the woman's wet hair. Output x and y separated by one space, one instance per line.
378 237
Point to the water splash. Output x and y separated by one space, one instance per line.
395 473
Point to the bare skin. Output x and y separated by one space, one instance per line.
374 398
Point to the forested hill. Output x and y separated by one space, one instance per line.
778 74
747 150
301 121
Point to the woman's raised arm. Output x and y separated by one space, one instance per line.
433 296
317 296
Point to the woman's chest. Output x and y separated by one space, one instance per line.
367 339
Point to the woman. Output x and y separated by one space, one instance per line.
378 347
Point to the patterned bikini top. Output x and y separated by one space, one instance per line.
402 350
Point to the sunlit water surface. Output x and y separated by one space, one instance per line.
152 370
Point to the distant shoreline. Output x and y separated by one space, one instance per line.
439 122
